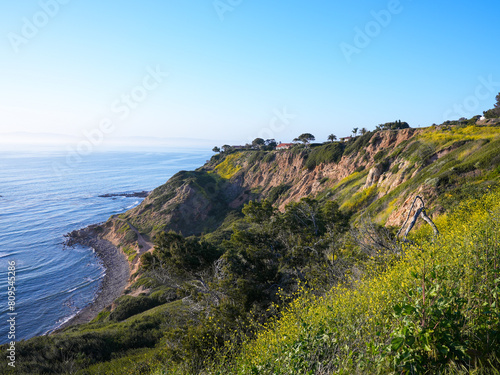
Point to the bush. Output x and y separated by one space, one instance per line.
269 158
129 306
329 153
277 192
434 309
256 156
358 144
379 156
130 236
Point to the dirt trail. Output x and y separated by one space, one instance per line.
144 245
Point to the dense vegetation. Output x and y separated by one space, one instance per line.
317 287
268 252
431 308
393 125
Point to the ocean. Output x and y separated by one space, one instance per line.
46 195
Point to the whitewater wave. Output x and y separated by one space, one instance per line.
132 205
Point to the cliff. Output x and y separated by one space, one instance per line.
191 294
378 173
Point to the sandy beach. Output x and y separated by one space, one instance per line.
115 279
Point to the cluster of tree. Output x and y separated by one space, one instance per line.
494 112
462 121
264 144
280 249
257 144
267 250
393 125
242 279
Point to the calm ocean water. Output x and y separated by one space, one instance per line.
42 198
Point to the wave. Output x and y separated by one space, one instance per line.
61 322
132 205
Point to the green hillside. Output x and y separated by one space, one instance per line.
433 308
288 262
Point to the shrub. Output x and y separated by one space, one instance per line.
229 167
379 155
128 306
256 156
431 310
329 153
323 180
277 192
358 144
269 158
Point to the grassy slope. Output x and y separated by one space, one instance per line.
350 330
470 164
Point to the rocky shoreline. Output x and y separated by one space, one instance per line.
115 279
137 194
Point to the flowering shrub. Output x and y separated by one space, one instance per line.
433 309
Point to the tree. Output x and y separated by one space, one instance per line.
393 125
258 143
305 138
226 148
355 131
363 131
178 254
216 149
270 144
332 137
495 112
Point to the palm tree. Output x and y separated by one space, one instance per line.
355 131
332 137
363 131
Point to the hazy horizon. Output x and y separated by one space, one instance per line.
224 72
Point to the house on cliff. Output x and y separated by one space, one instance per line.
284 146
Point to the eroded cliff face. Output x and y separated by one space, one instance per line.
380 172
289 169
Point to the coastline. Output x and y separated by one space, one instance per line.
117 273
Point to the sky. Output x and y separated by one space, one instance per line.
204 73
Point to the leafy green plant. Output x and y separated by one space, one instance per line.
430 320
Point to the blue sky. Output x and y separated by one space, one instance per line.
228 71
